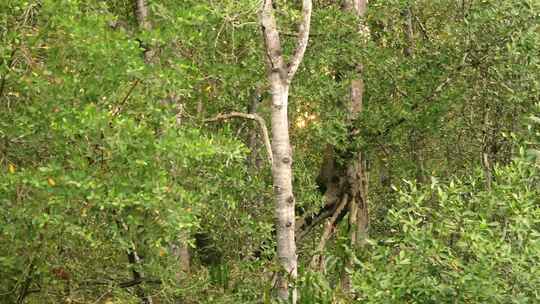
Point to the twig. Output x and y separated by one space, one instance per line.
422 28
102 296
253 116
126 97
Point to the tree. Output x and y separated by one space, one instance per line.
280 76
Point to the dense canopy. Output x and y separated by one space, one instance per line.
259 151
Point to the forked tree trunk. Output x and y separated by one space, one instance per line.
280 76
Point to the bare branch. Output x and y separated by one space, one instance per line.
317 258
126 97
253 116
302 231
303 38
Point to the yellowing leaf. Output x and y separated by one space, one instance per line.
162 252
11 168
51 182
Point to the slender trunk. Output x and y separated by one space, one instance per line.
486 157
283 191
184 257
25 286
280 76
416 144
409 32
141 11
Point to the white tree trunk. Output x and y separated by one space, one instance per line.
280 76
282 180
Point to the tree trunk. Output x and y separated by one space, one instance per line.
282 180
141 11
409 32
134 260
180 250
416 139
280 76
346 185
356 183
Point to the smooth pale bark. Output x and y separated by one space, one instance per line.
141 11
280 76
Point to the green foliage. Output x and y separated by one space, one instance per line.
102 153
457 242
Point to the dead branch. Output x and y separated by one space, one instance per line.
255 117
317 258
118 109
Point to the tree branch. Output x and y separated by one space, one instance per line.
126 97
302 231
317 258
303 38
253 116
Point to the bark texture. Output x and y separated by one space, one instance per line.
141 12
280 76
356 184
